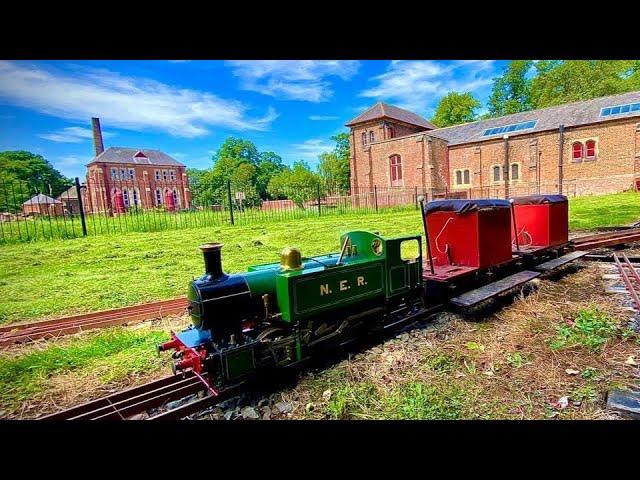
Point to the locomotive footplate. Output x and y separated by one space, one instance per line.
560 261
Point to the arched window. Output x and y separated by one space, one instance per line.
577 151
515 171
467 177
496 173
391 132
125 197
590 147
136 197
364 138
176 198
395 163
372 137
458 177
158 196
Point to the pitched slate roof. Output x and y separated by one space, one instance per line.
570 115
41 199
382 110
125 155
70 193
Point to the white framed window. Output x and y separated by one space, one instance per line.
172 174
132 174
372 137
462 177
114 174
176 198
364 138
123 174
164 175
125 197
135 194
157 173
158 196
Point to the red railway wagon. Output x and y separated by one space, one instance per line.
540 222
466 235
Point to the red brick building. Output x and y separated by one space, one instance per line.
585 147
144 177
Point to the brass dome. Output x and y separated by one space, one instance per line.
291 259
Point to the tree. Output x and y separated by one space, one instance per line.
268 166
298 183
559 81
23 174
455 108
334 167
511 91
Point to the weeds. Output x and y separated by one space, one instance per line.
591 329
515 360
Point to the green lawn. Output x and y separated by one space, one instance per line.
58 277
604 210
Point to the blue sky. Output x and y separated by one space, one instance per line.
188 108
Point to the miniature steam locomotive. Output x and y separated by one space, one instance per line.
280 314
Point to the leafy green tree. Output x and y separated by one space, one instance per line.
243 180
23 174
455 108
298 183
511 91
563 81
334 167
268 166
334 173
201 185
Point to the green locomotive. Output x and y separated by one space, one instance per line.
277 315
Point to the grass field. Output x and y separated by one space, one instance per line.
58 277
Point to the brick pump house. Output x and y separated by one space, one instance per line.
144 177
579 148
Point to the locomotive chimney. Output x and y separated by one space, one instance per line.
97 136
212 259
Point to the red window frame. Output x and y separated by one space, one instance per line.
590 149
395 166
391 132
577 151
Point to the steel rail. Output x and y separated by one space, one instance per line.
21 333
627 281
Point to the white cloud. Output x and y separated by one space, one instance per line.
70 161
292 79
322 117
311 149
123 102
418 85
72 135
178 155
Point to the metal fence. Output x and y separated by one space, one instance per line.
28 214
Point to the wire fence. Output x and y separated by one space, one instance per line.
27 214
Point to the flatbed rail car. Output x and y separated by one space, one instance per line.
279 315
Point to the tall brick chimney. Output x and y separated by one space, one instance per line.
97 136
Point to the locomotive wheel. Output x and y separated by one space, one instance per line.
270 334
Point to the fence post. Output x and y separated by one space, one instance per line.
375 196
318 199
229 198
81 207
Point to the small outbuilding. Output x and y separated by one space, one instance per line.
41 204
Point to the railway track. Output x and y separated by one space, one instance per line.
607 239
139 401
630 277
27 332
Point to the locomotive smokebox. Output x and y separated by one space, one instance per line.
212 260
